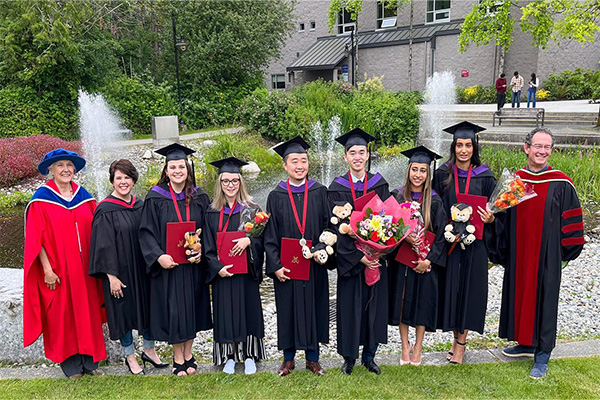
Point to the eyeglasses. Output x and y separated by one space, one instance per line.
537 146
227 182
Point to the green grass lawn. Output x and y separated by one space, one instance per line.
576 378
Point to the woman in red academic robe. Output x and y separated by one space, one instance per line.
60 300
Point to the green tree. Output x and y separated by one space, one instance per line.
546 20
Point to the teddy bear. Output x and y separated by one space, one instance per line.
324 248
193 247
341 215
460 229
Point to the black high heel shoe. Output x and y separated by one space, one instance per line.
177 368
130 370
191 363
146 358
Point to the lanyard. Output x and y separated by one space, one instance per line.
228 218
187 206
352 185
456 190
302 227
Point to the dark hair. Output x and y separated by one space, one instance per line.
126 167
475 160
516 73
288 156
530 135
533 77
189 181
502 75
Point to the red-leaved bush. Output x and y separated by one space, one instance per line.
19 156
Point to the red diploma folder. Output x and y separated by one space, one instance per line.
226 243
362 201
406 255
176 239
474 201
292 259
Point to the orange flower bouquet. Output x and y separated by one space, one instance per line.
253 220
509 192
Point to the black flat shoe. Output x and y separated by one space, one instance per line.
372 367
348 366
191 363
130 370
146 358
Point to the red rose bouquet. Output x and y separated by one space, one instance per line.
379 229
253 220
509 192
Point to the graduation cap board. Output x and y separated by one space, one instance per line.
464 130
356 137
420 154
175 151
294 145
231 165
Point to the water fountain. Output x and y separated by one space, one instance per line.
324 147
100 129
440 95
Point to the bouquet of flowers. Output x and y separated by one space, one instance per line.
509 192
379 229
253 220
422 246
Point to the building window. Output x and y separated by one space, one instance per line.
278 81
491 8
301 27
313 25
345 23
438 11
386 17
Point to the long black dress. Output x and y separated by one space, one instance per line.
534 238
237 309
179 297
361 309
420 291
465 288
115 249
302 306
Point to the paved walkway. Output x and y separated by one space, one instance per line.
183 137
575 349
567 106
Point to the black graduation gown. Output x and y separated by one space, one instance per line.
179 297
533 238
465 285
115 249
237 310
302 306
420 291
361 309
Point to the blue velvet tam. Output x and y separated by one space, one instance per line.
60 154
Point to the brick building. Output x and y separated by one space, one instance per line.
383 35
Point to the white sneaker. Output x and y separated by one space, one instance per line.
250 366
229 367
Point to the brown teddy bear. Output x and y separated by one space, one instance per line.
193 246
324 248
341 212
460 229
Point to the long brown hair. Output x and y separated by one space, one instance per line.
426 196
220 200
475 161
189 180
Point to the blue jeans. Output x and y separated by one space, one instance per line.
531 96
311 355
516 96
127 343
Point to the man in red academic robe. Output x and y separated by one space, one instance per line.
67 312
536 238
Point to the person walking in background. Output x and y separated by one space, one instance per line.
501 90
534 82
516 84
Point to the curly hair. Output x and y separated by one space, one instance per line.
530 135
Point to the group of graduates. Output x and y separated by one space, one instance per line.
85 263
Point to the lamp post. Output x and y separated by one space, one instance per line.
181 45
350 50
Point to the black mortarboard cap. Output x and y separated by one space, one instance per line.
175 151
294 145
464 130
461 206
230 164
356 137
421 154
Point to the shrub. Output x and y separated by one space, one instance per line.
265 112
573 85
20 156
137 100
542 95
476 94
24 112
